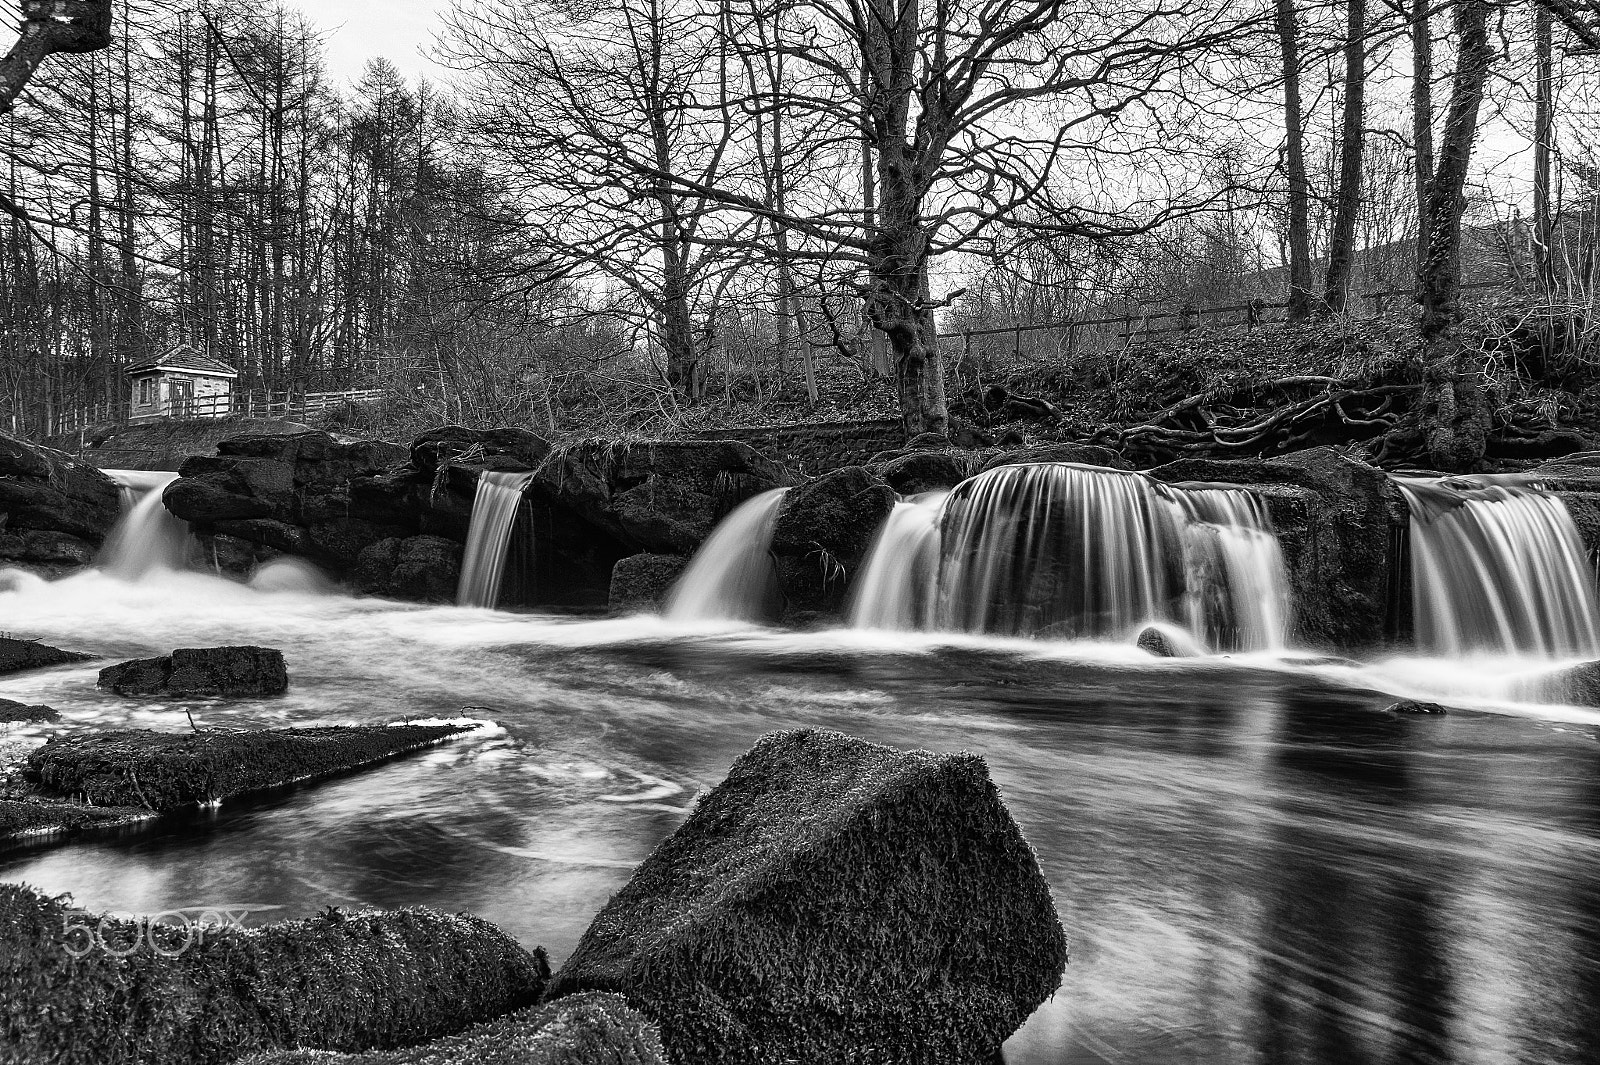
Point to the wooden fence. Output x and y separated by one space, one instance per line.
284 404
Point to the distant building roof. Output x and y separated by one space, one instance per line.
184 358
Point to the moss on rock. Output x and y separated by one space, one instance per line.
84 989
167 771
201 672
588 1029
833 900
17 655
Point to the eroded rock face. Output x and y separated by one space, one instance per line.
424 569
833 901
824 530
1337 519
54 512
640 583
198 672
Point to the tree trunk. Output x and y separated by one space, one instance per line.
1299 236
677 325
1543 136
1422 123
1347 203
50 27
1454 406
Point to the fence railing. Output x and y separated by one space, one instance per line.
1070 338
266 404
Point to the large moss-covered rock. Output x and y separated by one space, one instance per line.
1082 454
589 1029
928 471
640 583
54 512
1337 519
80 988
833 901
424 569
824 529
201 672
168 771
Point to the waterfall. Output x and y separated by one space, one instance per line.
1058 549
494 513
1498 566
147 538
732 577
894 588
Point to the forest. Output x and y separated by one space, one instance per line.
641 216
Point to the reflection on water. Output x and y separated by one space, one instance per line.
1254 863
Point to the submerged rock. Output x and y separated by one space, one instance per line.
13 712
88 989
1577 685
640 583
833 901
588 1029
166 771
199 672
1413 706
17 655
1167 642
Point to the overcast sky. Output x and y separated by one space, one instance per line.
358 30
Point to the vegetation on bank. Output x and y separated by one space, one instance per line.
84 989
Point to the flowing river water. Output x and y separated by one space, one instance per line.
1253 861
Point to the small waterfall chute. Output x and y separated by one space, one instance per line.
895 588
1497 565
733 576
494 514
147 538
1060 549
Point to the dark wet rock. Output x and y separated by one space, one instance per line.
13 712
17 655
1413 706
424 569
200 672
54 512
1083 454
824 529
234 556
162 993
489 449
588 1029
928 471
168 771
640 583
1336 518
1577 685
833 901
1157 642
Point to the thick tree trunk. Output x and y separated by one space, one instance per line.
1347 204
1454 406
898 305
1422 122
49 27
1299 235
1543 136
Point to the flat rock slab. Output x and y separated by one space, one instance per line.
22 820
82 988
18 655
201 672
167 771
833 901
13 712
587 1029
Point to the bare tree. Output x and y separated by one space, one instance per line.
51 27
1352 128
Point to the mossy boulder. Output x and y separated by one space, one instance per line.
13 712
201 672
424 569
640 583
833 901
824 529
18 655
1082 454
79 988
588 1029
928 471
168 771
55 512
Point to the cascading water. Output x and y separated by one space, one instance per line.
1497 565
494 513
1059 549
732 577
148 537
894 590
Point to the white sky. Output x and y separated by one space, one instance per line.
359 30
